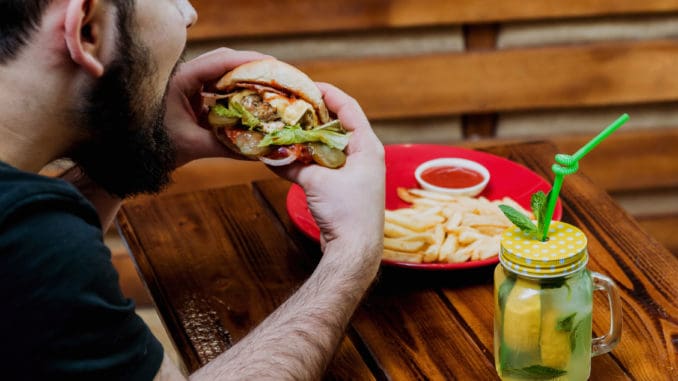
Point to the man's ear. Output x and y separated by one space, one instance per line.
83 34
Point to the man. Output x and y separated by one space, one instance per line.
98 81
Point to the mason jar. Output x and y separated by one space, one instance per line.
543 306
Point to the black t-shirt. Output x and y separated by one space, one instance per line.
62 314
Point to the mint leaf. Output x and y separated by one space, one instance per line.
566 323
505 353
575 334
519 219
538 202
504 290
535 372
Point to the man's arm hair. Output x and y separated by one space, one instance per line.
298 340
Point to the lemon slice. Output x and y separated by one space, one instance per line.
522 317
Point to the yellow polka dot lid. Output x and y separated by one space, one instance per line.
563 253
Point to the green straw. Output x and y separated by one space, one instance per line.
567 165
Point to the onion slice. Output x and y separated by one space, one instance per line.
280 162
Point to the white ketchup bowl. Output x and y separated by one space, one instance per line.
463 165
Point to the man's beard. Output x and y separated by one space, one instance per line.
126 148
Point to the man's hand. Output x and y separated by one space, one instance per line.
347 203
184 103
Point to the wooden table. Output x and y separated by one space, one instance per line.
218 261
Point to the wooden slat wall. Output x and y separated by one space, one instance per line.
220 19
509 80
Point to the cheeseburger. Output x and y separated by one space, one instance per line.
271 111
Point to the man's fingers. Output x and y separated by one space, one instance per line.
212 65
347 109
351 116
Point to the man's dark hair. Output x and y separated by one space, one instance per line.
19 18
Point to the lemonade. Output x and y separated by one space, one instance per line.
543 303
543 327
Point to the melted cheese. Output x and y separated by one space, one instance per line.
290 110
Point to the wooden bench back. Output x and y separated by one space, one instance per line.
219 19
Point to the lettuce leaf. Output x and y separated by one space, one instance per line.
248 119
236 110
334 125
295 134
225 112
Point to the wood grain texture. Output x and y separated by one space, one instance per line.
506 80
202 253
217 266
662 227
220 19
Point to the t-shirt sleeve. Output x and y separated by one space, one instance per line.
65 316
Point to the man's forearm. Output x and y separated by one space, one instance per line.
298 340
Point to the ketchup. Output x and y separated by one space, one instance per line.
451 177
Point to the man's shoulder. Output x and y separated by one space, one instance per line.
23 192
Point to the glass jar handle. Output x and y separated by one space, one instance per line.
607 342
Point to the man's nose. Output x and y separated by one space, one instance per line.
188 12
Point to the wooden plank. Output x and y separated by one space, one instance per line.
505 80
131 285
663 228
217 264
629 160
219 19
479 38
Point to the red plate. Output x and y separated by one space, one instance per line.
507 178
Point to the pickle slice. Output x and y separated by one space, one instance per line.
327 156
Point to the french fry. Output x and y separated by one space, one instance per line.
461 255
395 231
448 248
398 244
399 256
469 235
427 237
470 219
405 195
417 223
453 221
433 195
484 248
443 228
431 253
490 230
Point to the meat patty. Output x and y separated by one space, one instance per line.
262 110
